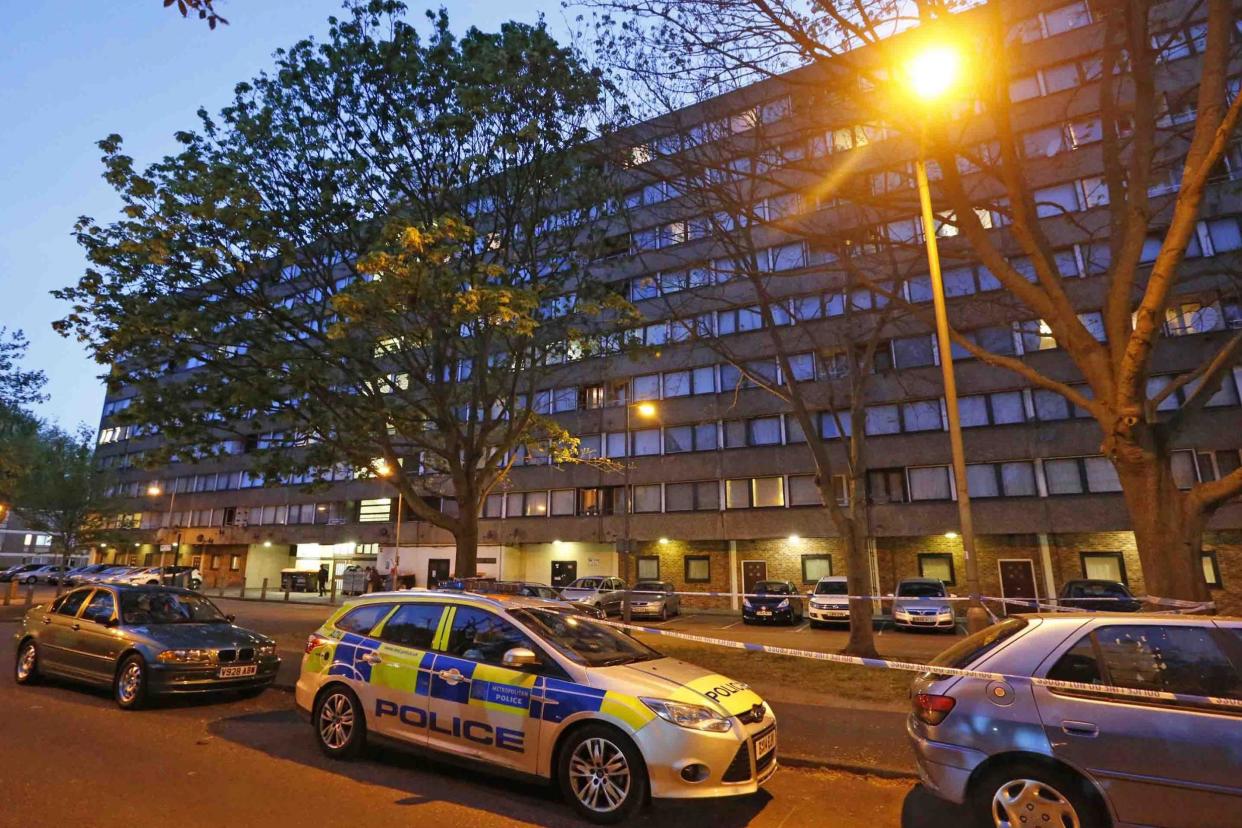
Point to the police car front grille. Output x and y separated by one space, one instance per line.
739 768
762 762
755 715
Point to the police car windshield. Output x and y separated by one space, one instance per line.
582 640
831 588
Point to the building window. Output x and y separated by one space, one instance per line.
378 510
815 567
648 568
930 483
215 561
701 437
563 501
754 493
493 507
937 565
1104 566
1211 570
647 498
698 569
234 563
1078 475
527 504
887 485
692 497
646 442
1016 479
1001 408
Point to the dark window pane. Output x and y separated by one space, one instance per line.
413 625
100 608
1173 659
363 619
480 636
73 602
1078 664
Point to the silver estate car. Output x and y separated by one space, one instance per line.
601 591
1019 754
655 599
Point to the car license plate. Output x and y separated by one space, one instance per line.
239 672
765 744
764 612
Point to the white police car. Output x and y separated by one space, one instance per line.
530 687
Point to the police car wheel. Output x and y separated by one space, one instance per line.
340 727
602 774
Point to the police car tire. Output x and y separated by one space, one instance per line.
637 793
1076 790
358 734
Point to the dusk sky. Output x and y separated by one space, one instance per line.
73 73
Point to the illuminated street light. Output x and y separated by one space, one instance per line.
930 75
154 490
647 409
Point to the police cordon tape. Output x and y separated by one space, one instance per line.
915 667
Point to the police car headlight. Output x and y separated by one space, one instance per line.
784 604
185 656
692 716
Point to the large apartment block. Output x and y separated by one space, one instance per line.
715 488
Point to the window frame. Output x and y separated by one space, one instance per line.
1206 555
688 559
638 565
923 556
1084 555
817 556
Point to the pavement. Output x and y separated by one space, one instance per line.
816 732
69 756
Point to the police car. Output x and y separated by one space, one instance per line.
528 686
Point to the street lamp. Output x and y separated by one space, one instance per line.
930 75
383 469
648 411
154 490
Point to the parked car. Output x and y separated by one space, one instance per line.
530 589
79 574
773 601
1028 755
524 686
920 609
829 603
654 598
165 575
601 591
142 641
42 574
15 573
127 575
1098 595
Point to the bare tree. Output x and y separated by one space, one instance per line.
1154 129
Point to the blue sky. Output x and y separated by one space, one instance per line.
75 71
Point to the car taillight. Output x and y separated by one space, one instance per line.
315 641
932 709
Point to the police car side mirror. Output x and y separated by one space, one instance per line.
520 657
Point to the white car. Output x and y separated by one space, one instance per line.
530 686
829 601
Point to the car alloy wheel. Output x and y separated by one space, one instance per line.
1022 802
599 775
131 683
336 721
27 669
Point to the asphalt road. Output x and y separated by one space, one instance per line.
68 756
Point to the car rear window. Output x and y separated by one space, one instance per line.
973 647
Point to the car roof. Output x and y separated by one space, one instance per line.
493 600
1137 617
920 581
833 578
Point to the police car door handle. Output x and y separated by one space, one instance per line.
371 658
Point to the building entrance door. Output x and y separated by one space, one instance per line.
1017 580
437 572
564 573
752 573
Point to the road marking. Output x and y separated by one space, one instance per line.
802 628
727 626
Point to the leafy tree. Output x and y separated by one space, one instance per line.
205 9
19 389
368 263
1158 166
61 491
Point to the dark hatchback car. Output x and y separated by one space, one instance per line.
142 641
773 601
1098 596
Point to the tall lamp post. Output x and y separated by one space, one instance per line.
648 411
930 75
154 490
382 469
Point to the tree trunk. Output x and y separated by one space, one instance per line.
858 565
1169 540
467 538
